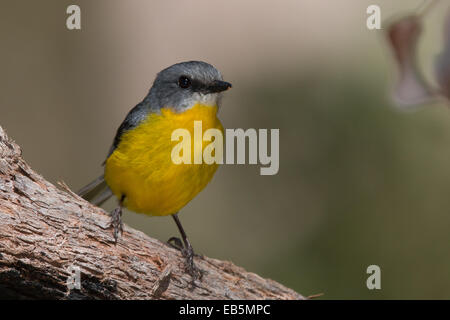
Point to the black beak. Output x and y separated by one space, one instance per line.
218 86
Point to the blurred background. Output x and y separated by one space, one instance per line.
360 182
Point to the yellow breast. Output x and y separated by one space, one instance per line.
142 170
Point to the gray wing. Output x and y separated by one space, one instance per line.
97 191
132 120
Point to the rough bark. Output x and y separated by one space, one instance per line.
45 232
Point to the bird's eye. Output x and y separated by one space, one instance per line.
184 82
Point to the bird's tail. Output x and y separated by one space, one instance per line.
96 192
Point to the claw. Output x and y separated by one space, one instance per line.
189 254
176 243
190 266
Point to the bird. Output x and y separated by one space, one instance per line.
138 169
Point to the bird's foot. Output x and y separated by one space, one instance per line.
189 264
189 254
116 223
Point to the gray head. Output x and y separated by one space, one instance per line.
185 84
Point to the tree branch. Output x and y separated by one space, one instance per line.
46 233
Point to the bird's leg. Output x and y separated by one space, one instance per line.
116 220
187 251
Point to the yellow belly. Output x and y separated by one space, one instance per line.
142 170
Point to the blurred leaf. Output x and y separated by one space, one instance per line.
443 61
410 89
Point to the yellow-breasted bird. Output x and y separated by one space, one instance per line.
139 170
